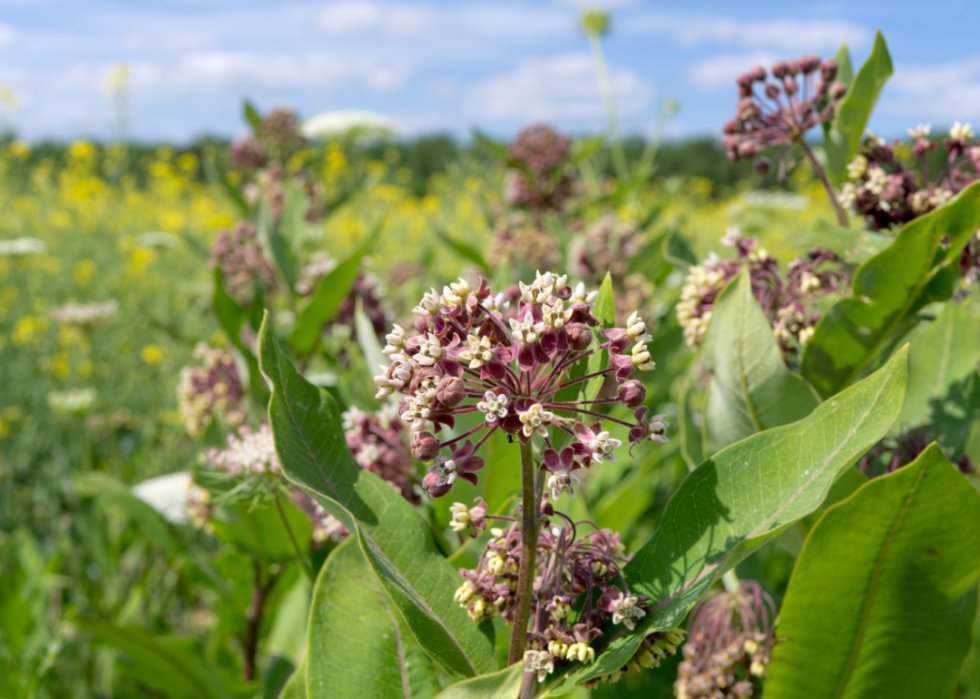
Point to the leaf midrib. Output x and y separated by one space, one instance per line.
743 383
873 586
392 567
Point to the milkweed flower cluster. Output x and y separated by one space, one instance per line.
731 637
892 453
539 178
781 109
249 453
787 302
205 389
243 265
886 191
473 352
378 442
517 236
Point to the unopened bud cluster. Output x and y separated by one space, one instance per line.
248 454
378 441
731 637
780 109
653 648
890 184
539 177
472 351
209 388
244 267
891 453
787 301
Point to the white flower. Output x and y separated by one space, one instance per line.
22 246
964 131
428 305
461 517
430 350
396 340
494 405
809 283
641 357
350 418
626 612
733 234
248 453
636 328
602 447
368 454
857 167
806 334
848 195
555 316
497 303
445 468
920 131
526 331
464 594
544 285
428 387
456 293
540 662
657 429
417 412
349 122
536 419
478 351
395 377
582 652
562 482
877 181
580 295
74 400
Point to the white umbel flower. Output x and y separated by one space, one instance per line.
539 662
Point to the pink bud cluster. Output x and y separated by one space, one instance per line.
731 636
473 353
886 191
539 177
787 301
378 442
205 389
249 453
771 112
243 265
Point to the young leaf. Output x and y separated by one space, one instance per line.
851 245
329 294
751 389
504 684
252 116
605 313
842 142
171 667
357 646
888 290
467 252
885 590
394 537
261 531
944 354
739 499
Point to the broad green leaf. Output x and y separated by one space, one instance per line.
260 530
329 294
751 389
887 292
252 116
231 316
953 415
946 352
739 499
394 537
502 475
368 339
111 493
689 434
851 245
467 252
504 684
357 646
171 667
289 628
848 482
295 687
605 312
884 593
855 109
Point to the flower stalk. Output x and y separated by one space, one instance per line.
529 547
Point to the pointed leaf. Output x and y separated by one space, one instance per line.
252 116
605 312
854 111
944 353
740 498
851 245
751 389
883 596
504 684
357 646
888 290
465 251
329 294
394 537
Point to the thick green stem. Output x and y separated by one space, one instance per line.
829 188
529 550
605 89
730 581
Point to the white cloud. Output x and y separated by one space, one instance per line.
365 17
721 71
794 35
7 35
945 93
561 88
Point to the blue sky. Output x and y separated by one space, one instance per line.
448 66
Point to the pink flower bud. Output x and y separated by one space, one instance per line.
838 90
828 70
632 394
780 70
810 63
425 447
451 391
746 149
579 336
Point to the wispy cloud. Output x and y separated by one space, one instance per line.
558 88
944 93
721 71
7 35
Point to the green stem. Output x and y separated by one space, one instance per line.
829 188
305 564
730 581
529 549
605 89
